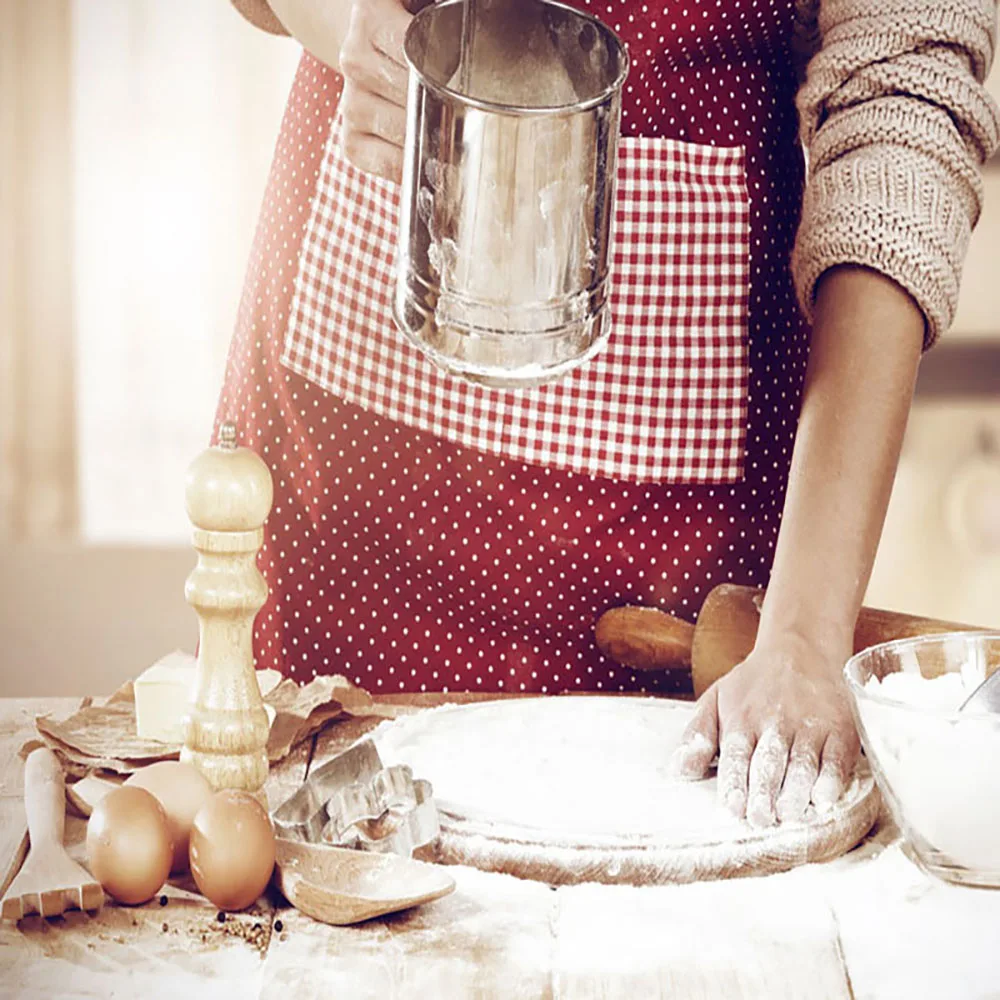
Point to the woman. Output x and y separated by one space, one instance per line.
408 558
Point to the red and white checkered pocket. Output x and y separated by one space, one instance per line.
665 401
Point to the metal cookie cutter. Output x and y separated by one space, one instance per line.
353 801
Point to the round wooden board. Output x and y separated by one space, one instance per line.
546 789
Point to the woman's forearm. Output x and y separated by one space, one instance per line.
866 345
320 26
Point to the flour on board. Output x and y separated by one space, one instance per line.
575 767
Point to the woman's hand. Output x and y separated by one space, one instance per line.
781 719
375 79
782 725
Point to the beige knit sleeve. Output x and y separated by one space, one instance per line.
896 123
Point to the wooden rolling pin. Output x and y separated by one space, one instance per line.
649 639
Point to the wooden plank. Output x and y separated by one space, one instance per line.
742 939
908 934
720 939
126 952
491 938
13 840
17 725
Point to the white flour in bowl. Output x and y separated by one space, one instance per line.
943 770
944 693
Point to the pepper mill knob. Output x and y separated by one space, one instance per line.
228 488
228 498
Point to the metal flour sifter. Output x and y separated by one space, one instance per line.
505 226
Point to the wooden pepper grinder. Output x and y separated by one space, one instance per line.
228 496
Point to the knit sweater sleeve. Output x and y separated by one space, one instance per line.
896 123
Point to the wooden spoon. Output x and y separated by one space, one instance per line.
340 886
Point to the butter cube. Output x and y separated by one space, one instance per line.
163 691
268 680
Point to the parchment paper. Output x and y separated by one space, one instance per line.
104 736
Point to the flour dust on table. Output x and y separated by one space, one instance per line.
578 789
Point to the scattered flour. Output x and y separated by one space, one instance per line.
943 768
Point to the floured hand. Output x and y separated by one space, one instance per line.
782 726
375 82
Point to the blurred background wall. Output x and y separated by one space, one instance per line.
135 140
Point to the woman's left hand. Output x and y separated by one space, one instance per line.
375 81
782 725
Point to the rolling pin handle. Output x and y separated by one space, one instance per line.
645 638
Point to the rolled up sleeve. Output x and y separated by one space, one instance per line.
896 122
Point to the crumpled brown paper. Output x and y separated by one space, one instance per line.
302 711
104 736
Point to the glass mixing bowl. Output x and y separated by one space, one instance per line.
937 768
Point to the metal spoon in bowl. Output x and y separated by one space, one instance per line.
986 697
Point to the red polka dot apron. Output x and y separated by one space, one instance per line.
431 534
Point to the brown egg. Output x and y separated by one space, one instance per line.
128 844
232 849
182 790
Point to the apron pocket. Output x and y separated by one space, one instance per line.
664 402
680 289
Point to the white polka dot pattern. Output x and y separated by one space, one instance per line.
409 562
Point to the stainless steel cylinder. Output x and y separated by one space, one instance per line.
508 188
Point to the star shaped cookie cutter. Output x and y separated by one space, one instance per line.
353 801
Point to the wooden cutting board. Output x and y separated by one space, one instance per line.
576 789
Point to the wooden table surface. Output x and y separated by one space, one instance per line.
869 925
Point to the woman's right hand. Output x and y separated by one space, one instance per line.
375 80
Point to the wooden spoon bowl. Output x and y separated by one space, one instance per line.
340 886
